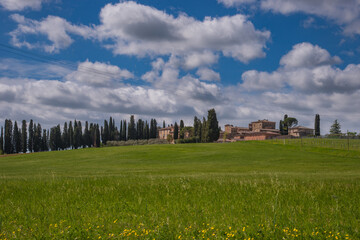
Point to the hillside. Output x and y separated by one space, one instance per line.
242 190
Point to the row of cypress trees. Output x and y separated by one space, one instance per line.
32 138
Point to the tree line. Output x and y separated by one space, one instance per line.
289 122
32 138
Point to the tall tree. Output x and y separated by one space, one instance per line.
37 137
105 134
204 131
212 126
86 136
281 127
285 127
71 135
131 128
335 128
176 131
181 134
317 125
121 130
31 136
16 139
65 137
24 137
44 146
97 136
164 125
125 136
2 141
8 146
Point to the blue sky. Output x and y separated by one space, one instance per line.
249 59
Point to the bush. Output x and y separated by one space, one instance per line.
188 140
136 142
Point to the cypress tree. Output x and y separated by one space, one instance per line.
164 124
65 137
80 134
131 128
86 136
8 147
105 132
2 141
44 141
71 135
317 125
37 137
285 126
24 136
281 127
16 139
212 126
204 132
121 130
181 129
176 131
97 136
125 136
31 136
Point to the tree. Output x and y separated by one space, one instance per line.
86 136
212 126
335 128
164 124
37 137
317 125
65 137
31 136
285 127
2 141
291 122
176 131
281 127
45 146
16 139
71 135
181 135
24 136
8 146
131 128
97 136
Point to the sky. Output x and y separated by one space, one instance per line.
62 60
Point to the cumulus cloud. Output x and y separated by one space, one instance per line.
130 28
98 74
344 13
208 74
306 68
19 5
57 31
308 56
136 29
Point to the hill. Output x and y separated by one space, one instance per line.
241 190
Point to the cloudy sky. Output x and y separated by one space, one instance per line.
172 60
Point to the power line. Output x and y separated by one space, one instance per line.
54 61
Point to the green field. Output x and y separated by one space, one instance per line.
245 190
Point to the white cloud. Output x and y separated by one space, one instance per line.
57 31
19 5
232 3
208 74
345 13
309 56
140 30
306 68
98 74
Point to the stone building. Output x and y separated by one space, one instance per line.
301 131
262 125
164 132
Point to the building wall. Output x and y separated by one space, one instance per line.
163 133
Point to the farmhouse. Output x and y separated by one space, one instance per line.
301 131
258 130
164 132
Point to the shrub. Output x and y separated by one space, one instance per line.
136 142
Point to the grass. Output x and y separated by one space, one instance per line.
256 190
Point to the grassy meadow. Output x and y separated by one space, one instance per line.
244 190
